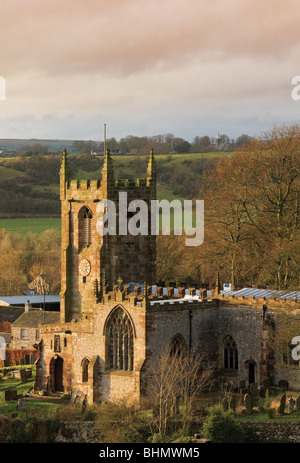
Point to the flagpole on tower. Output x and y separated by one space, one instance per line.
104 138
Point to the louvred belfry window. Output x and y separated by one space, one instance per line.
85 227
120 341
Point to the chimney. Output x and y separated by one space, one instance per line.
27 306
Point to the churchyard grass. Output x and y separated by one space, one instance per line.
22 387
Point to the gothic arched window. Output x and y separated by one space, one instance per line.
178 346
85 227
230 354
85 370
120 345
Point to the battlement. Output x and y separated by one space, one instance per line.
255 302
108 185
94 185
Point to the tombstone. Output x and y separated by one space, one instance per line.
21 404
232 403
248 403
283 384
298 402
266 384
253 389
28 373
244 391
261 403
10 395
291 405
23 374
84 404
261 391
282 404
242 384
225 404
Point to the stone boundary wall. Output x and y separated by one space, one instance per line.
264 432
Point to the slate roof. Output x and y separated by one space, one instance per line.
10 314
33 318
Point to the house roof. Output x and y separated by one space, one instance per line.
10 314
33 318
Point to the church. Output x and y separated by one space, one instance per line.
115 320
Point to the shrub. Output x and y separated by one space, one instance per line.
5 426
159 438
118 423
33 430
222 427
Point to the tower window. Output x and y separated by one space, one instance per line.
85 227
120 344
85 370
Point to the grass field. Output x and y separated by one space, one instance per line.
34 225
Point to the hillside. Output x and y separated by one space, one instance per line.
29 186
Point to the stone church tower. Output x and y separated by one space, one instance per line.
102 328
90 261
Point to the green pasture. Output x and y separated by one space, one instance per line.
33 225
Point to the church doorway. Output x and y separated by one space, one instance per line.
56 373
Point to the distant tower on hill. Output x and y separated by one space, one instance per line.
218 138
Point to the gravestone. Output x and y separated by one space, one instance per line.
23 375
242 384
291 405
248 403
283 384
282 404
266 384
261 403
261 391
253 389
232 403
225 404
21 404
10 395
298 402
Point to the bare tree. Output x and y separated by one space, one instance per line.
176 382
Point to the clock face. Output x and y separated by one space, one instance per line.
84 267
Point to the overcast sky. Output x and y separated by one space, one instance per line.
147 67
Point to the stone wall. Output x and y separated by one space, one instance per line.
260 432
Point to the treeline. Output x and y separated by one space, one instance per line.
252 219
25 258
162 144
32 194
24 201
